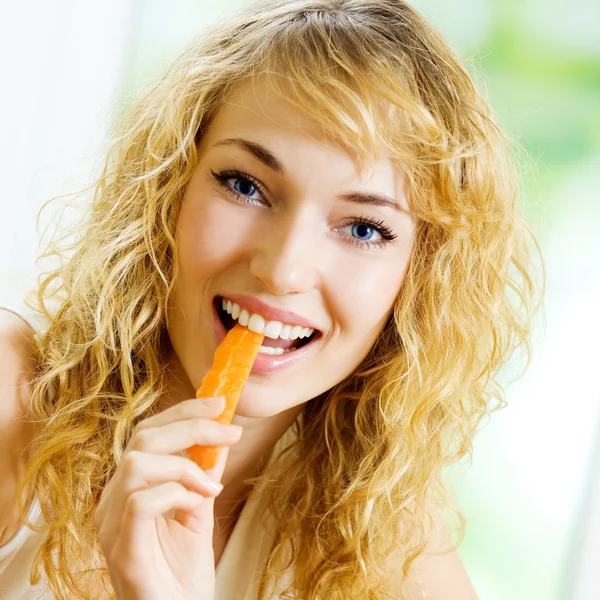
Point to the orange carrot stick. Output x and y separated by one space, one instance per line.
227 377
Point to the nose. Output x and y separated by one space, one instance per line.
285 258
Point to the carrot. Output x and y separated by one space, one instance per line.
227 377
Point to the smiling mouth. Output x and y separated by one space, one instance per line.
288 345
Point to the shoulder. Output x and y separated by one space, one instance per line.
440 570
17 367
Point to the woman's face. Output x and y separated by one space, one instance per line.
283 233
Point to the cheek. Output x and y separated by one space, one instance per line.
365 293
208 235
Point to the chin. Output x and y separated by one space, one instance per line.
256 407
260 405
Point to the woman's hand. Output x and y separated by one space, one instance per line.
151 554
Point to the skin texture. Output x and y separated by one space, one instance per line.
291 248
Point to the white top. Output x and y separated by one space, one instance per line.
239 565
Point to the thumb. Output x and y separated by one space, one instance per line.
201 518
217 471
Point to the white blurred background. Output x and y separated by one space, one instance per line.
532 494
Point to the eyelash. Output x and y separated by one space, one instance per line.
386 233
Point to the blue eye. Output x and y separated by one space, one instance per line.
243 187
364 228
363 231
246 188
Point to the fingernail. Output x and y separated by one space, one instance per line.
217 487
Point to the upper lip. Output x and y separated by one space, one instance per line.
272 313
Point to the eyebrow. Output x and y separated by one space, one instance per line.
270 160
260 152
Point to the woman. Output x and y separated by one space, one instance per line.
329 166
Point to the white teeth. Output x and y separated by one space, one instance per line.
272 351
235 311
256 323
271 329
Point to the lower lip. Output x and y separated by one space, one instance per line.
265 363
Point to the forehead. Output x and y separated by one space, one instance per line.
254 110
254 105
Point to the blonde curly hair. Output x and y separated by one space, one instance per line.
364 478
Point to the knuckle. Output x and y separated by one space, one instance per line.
129 464
139 440
174 487
139 426
135 503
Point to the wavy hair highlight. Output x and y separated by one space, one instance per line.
363 481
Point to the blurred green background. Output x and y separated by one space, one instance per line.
539 64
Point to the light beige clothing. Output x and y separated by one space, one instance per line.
239 565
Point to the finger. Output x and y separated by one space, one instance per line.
142 470
217 471
201 518
179 435
208 408
143 506
139 470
